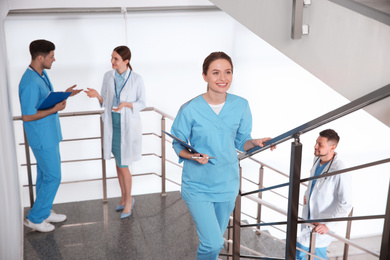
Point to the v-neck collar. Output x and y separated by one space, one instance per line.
211 109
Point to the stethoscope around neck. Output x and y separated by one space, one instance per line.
325 172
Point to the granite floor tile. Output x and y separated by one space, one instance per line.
41 246
168 227
116 240
159 228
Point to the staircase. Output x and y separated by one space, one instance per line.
347 45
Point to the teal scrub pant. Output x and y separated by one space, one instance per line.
48 181
211 220
320 251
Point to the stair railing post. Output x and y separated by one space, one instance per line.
237 223
293 199
260 195
348 236
163 157
385 250
28 164
104 174
230 237
312 246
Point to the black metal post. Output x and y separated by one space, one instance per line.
385 250
28 163
260 195
237 224
293 199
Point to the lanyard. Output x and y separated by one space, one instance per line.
116 93
43 78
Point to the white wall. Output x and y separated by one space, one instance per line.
168 51
11 225
346 50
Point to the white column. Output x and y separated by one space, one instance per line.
11 216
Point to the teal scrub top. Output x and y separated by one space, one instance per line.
218 136
33 90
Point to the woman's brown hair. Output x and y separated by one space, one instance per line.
215 56
125 54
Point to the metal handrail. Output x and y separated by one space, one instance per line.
345 170
266 165
308 222
28 163
260 185
104 178
101 111
302 129
295 168
325 175
353 106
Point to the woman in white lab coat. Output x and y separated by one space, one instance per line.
123 97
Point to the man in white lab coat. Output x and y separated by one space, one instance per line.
325 198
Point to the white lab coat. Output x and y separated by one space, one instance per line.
131 127
331 198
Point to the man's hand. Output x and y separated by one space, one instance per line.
321 228
43 113
74 91
60 106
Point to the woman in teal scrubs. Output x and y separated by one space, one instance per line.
215 123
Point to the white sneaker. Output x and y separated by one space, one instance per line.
41 227
55 218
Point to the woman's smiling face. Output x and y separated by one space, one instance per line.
219 76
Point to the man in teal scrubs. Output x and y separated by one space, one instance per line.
43 132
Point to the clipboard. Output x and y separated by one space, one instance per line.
53 98
189 147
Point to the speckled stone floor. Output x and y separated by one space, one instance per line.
159 228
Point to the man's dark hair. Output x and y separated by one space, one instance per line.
331 135
41 47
